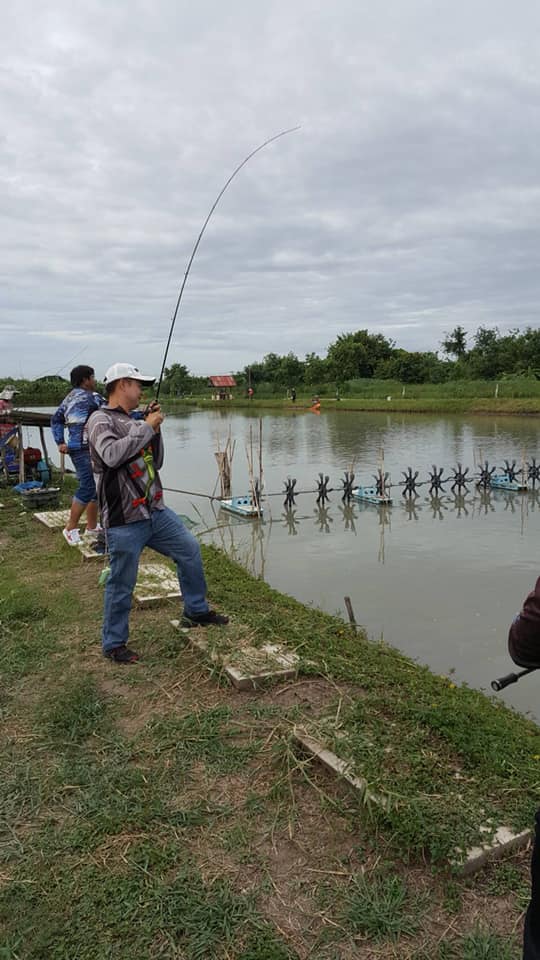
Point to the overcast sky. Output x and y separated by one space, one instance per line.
408 202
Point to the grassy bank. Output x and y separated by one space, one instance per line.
151 811
512 395
520 395
438 405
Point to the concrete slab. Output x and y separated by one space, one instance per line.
57 520
53 519
247 667
155 584
503 841
340 768
88 551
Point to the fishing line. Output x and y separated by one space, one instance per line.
59 371
199 238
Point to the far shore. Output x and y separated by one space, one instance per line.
528 406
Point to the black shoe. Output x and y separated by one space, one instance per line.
209 619
121 655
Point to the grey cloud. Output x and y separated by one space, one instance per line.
408 202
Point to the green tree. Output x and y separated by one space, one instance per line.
176 380
484 360
357 354
455 343
316 370
291 370
271 367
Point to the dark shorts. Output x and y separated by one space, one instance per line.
86 491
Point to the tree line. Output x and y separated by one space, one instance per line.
484 355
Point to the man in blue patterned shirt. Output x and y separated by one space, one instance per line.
73 414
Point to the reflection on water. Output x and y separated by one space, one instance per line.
345 518
440 577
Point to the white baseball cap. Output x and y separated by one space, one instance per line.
120 371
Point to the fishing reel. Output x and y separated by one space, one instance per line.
150 408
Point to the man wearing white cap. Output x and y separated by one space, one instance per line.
126 456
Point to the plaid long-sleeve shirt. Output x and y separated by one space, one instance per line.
126 455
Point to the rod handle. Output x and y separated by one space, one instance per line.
503 682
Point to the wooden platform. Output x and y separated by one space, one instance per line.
156 584
246 666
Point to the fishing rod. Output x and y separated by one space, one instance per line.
199 238
503 682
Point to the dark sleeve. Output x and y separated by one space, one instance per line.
524 635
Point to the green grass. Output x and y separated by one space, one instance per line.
151 812
156 901
480 944
439 752
508 388
515 395
19 604
76 711
206 737
381 907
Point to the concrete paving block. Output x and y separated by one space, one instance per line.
503 842
87 548
340 768
247 667
155 584
53 519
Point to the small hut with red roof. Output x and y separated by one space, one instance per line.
223 387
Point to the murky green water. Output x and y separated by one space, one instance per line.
441 580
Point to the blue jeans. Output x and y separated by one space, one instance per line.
166 533
86 491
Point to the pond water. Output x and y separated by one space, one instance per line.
441 580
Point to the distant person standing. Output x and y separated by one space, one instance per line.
293 395
6 406
72 414
250 393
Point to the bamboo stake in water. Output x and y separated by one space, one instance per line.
260 457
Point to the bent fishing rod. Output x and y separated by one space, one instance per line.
199 238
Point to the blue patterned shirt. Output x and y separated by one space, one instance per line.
73 413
